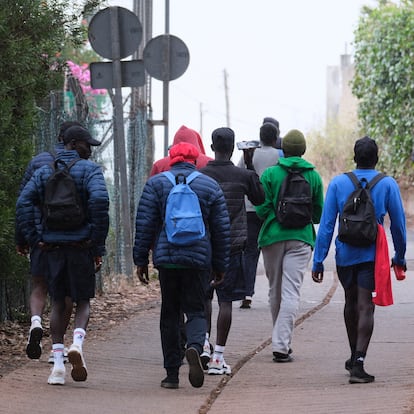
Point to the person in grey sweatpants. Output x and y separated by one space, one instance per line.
287 251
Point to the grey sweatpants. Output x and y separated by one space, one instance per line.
285 264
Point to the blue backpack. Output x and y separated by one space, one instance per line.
184 222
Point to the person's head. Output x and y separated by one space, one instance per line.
223 142
183 152
79 139
275 123
66 125
268 134
294 144
365 153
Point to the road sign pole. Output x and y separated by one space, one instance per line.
119 141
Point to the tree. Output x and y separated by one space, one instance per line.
32 35
384 80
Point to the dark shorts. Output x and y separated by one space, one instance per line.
71 272
38 262
234 285
361 274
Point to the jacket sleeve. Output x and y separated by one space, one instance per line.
147 220
219 225
317 197
98 206
25 210
255 193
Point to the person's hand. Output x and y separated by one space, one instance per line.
98 263
218 278
248 157
22 250
399 270
317 276
142 273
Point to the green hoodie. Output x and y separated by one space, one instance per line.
272 178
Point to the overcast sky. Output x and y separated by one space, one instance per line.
275 53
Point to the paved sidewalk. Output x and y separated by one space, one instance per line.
125 368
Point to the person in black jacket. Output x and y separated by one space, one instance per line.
236 183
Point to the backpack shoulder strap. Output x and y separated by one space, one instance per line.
170 176
374 181
191 177
353 178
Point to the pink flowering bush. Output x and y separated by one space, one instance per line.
82 74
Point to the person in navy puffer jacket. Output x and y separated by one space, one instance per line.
183 271
38 294
72 256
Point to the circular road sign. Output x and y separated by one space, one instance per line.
166 57
129 29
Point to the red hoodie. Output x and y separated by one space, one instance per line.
183 134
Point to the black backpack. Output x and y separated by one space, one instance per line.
357 222
62 205
294 205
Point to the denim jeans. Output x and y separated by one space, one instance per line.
181 290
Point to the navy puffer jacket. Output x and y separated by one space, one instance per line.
91 185
212 252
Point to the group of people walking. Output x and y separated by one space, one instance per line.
241 210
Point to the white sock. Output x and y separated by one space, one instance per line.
58 356
218 353
78 336
36 318
206 341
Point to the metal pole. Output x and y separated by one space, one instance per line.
119 142
165 89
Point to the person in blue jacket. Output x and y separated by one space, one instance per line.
355 265
38 294
72 256
183 271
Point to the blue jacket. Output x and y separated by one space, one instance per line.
91 185
211 252
386 198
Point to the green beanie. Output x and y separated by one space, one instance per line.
293 143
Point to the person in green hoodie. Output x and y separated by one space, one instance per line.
287 251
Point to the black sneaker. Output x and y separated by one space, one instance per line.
170 381
358 374
196 372
279 357
246 303
348 364
34 347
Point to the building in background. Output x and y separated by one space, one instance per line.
341 105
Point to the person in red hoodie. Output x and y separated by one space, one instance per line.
190 136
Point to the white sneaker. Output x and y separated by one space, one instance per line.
57 376
206 355
75 357
51 359
34 347
216 367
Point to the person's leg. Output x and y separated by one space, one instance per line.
56 268
170 325
38 299
251 256
295 262
80 287
193 296
224 320
351 320
365 320
365 328
273 261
